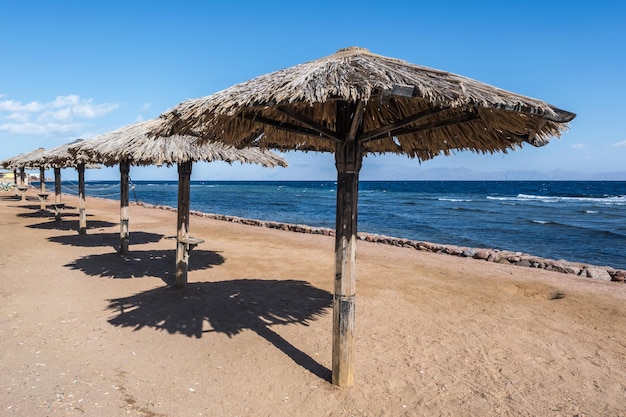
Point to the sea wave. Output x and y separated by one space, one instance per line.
455 200
608 200
595 231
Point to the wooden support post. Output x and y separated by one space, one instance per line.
42 188
82 215
57 185
23 184
124 210
348 157
182 234
42 180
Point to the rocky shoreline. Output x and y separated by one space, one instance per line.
601 273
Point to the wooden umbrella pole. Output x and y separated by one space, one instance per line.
124 210
82 215
42 188
182 236
42 179
57 185
348 157
22 183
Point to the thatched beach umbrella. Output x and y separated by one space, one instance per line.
6 164
354 103
132 145
26 160
58 158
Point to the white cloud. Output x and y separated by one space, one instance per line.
88 110
63 115
60 114
622 143
578 146
18 117
63 101
16 106
29 128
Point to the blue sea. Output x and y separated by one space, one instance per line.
580 221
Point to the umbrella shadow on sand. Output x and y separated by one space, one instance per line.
229 307
49 204
106 239
37 214
146 263
71 224
10 197
38 206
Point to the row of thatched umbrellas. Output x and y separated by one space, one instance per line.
128 146
355 103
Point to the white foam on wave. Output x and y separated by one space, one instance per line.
455 200
607 200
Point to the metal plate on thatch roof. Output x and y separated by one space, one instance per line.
406 109
134 144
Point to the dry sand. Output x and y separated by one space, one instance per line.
85 331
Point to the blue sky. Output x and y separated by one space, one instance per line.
76 69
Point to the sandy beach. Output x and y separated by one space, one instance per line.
86 331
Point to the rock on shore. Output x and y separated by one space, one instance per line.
601 273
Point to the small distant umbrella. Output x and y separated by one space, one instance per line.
21 162
354 103
24 160
6 164
58 158
131 145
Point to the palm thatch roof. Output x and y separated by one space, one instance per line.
406 109
28 160
6 163
60 157
133 143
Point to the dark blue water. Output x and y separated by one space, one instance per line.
582 221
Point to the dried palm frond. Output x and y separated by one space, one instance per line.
405 109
